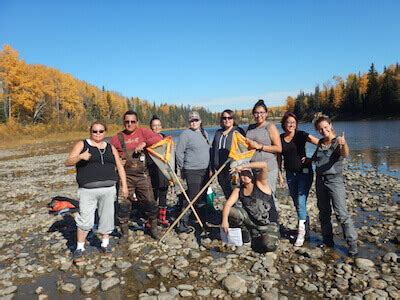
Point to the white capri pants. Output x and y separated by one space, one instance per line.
101 198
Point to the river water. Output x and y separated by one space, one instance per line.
372 143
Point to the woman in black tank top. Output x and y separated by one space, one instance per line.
258 217
96 161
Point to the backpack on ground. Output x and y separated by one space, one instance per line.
60 205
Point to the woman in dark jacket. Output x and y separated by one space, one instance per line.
158 180
220 149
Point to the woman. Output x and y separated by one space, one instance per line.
264 137
220 149
299 172
158 180
193 159
95 162
328 158
257 217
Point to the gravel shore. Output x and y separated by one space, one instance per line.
35 247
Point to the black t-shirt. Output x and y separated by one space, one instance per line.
294 151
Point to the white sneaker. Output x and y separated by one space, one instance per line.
301 234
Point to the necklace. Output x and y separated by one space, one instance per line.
102 151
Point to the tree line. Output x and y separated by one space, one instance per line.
33 94
367 95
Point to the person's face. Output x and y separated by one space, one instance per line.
290 124
97 133
260 114
227 120
130 123
245 176
156 126
194 124
324 128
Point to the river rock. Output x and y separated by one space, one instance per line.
186 287
181 263
165 296
390 257
8 290
123 265
311 253
164 271
364 263
68 287
204 292
89 285
234 283
109 283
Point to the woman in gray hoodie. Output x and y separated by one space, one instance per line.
193 159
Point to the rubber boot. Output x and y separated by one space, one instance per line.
183 226
307 228
124 232
153 229
162 216
301 234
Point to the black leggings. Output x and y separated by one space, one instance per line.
195 180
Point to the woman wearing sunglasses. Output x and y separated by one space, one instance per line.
193 159
96 162
220 149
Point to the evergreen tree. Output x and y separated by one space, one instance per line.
373 102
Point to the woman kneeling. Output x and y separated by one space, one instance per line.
257 217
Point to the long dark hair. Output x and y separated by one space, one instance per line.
261 103
155 117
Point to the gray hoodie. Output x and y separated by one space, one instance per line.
192 151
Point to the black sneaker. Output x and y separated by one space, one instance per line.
77 255
106 250
184 229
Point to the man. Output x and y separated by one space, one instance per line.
131 144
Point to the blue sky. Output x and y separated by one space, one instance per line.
218 54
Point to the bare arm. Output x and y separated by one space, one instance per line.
121 172
344 148
276 145
312 139
227 207
75 155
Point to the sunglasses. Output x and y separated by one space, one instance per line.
194 120
130 122
98 131
259 113
227 118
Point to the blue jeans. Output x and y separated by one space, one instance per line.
299 185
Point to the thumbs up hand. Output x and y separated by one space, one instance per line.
85 155
341 139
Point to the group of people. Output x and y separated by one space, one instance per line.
123 164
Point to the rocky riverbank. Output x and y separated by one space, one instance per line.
35 256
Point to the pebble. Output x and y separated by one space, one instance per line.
234 283
89 285
68 287
109 283
364 263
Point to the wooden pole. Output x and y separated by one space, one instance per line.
186 196
195 199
